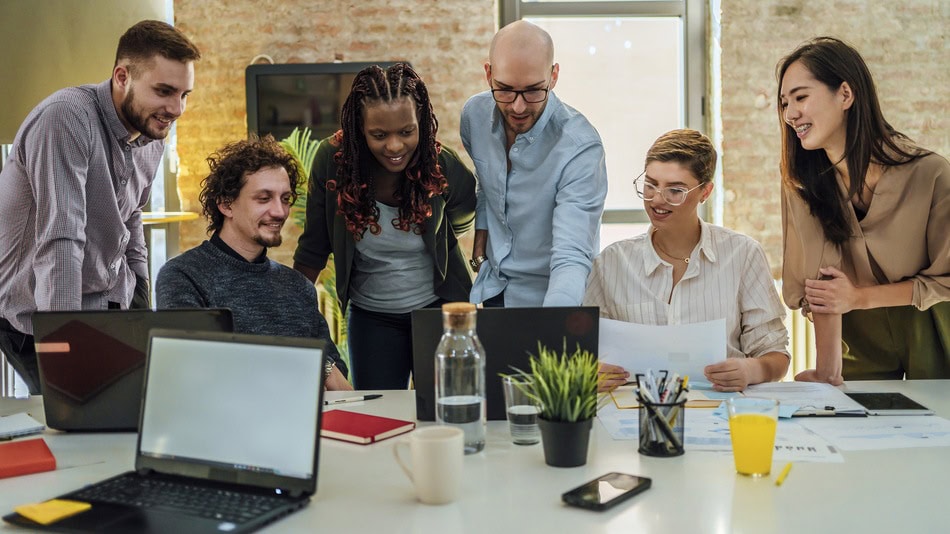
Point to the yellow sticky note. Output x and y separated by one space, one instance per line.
46 513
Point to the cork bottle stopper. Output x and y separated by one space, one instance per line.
458 315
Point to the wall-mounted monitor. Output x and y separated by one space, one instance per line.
286 96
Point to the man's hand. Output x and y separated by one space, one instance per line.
833 294
337 382
141 297
611 377
479 245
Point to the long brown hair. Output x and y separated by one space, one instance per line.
869 138
423 177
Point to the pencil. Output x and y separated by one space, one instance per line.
785 472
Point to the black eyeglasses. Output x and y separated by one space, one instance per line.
530 96
674 196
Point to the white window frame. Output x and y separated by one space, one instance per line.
694 17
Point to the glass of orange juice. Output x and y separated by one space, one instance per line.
752 424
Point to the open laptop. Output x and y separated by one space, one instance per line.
508 335
92 363
229 439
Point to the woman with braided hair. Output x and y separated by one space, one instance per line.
389 201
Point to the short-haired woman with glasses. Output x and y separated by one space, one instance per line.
684 270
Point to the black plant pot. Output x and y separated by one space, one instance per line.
565 444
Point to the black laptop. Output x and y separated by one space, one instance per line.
91 363
229 438
508 335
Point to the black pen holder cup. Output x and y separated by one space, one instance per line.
661 428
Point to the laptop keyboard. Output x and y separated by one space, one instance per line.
194 500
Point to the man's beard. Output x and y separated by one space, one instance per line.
139 122
267 243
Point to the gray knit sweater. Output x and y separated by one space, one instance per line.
265 298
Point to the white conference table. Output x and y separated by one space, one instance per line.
508 488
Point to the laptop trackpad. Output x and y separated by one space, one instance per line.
101 517
149 521
120 519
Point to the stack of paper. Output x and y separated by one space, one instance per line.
19 424
811 398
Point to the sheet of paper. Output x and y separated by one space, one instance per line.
807 396
881 432
705 431
685 349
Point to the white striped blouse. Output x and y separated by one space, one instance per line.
727 277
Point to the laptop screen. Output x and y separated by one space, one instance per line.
234 405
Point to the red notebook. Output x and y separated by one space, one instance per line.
360 427
25 457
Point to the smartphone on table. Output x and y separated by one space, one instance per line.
606 491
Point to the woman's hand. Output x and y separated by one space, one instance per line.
833 294
732 374
611 377
811 375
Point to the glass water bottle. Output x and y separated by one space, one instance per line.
460 375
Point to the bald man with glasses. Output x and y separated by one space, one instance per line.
542 179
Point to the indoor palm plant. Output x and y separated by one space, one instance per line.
565 388
304 149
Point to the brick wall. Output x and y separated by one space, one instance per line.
905 43
907 47
445 40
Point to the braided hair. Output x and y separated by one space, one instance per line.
422 179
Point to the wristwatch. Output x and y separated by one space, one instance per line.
327 369
477 262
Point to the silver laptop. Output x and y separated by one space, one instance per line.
229 438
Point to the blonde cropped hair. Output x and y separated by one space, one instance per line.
689 148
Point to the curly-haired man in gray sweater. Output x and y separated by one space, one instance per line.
247 198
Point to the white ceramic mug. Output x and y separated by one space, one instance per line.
436 469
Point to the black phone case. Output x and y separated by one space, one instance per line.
573 497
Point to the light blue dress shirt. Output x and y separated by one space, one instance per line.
542 216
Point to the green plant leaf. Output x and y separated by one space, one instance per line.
563 384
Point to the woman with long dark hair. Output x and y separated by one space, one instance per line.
389 201
865 213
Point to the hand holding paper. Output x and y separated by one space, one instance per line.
685 349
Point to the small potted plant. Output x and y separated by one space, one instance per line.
565 388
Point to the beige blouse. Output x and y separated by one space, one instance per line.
904 236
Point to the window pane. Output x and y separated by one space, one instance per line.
611 233
626 76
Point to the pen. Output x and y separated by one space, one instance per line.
785 472
352 399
